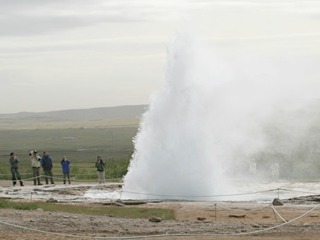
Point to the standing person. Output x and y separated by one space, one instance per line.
65 164
14 162
100 169
35 163
46 163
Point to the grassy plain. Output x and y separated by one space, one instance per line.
80 141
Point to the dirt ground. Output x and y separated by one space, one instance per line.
194 220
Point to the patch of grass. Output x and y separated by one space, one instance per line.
4 203
17 205
123 212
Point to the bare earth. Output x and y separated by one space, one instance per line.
195 220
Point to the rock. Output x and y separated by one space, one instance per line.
237 216
277 202
313 198
255 225
155 219
132 202
241 231
52 200
201 218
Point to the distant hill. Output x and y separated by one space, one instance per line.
120 115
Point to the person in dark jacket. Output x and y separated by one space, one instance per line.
100 169
46 163
14 162
65 164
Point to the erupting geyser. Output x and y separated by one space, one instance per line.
202 127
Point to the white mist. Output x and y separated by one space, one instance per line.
208 120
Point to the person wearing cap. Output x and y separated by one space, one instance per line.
35 163
65 164
14 162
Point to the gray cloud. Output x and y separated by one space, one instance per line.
101 46
19 18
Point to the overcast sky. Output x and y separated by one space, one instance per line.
72 54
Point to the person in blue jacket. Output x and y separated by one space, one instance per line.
65 164
46 163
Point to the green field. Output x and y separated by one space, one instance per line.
81 145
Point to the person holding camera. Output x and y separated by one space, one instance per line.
100 165
35 163
14 169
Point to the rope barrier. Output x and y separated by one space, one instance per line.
199 196
215 205
181 235
55 175
246 210
82 174
73 178
173 197
177 197
298 191
275 211
283 224
162 235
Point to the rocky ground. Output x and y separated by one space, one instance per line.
195 220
